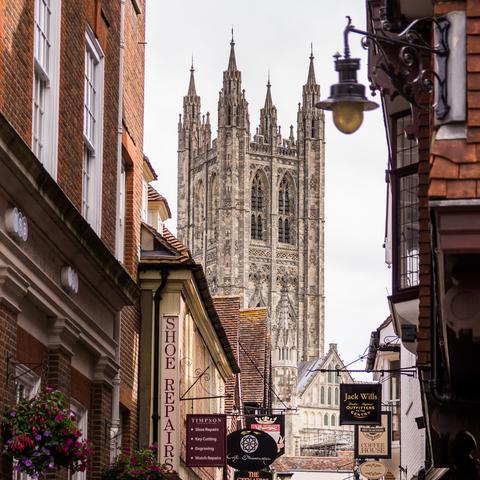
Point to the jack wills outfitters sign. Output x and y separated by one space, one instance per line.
360 403
169 393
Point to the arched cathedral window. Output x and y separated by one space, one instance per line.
213 209
286 211
199 215
258 206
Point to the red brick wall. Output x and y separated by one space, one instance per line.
133 98
16 64
128 367
100 411
16 84
8 342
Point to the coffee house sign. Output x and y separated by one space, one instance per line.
360 403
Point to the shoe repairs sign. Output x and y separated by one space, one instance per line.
360 403
206 440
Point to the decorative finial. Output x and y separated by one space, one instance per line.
311 51
233 40
191 68
268 82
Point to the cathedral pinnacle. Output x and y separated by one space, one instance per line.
191 87
268 98
232 64
311 69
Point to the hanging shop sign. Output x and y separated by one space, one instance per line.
360 403
250 450
374 441
206 440
373 470
170 400
273 425
252 475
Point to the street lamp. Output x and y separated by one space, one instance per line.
347 99
406 72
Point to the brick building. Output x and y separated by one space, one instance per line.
71 157
434 216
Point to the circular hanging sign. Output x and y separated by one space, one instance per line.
373 469
250 450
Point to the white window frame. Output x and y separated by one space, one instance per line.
45 98
93 140
29 382
81 420
144 201
122 191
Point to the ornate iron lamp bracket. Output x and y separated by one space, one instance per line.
407 73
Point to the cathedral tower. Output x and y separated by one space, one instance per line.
251 209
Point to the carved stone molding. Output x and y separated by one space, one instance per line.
105 370
63 334
13 288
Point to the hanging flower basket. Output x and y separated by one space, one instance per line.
141 464
40 435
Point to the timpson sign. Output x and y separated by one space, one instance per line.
169 393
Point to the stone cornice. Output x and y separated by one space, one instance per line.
13 288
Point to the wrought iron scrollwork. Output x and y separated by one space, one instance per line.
401 57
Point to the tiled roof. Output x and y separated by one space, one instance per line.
343 462
455 169
154 196
254 354
228 309
150 166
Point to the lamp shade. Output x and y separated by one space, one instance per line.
347 97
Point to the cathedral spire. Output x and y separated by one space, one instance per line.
268 98
311 69
191 86
232 64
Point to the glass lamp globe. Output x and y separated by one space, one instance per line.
347 116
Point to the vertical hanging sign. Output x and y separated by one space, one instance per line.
169 393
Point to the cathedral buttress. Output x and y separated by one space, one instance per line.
310 148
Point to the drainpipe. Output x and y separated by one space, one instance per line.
156 353
121 62
115 427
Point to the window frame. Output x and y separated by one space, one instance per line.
396 176
25 377
81 421
93 144
46 91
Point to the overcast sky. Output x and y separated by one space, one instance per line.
275 35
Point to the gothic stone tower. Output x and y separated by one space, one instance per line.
251 210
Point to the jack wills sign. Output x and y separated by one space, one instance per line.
169 393
360 403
